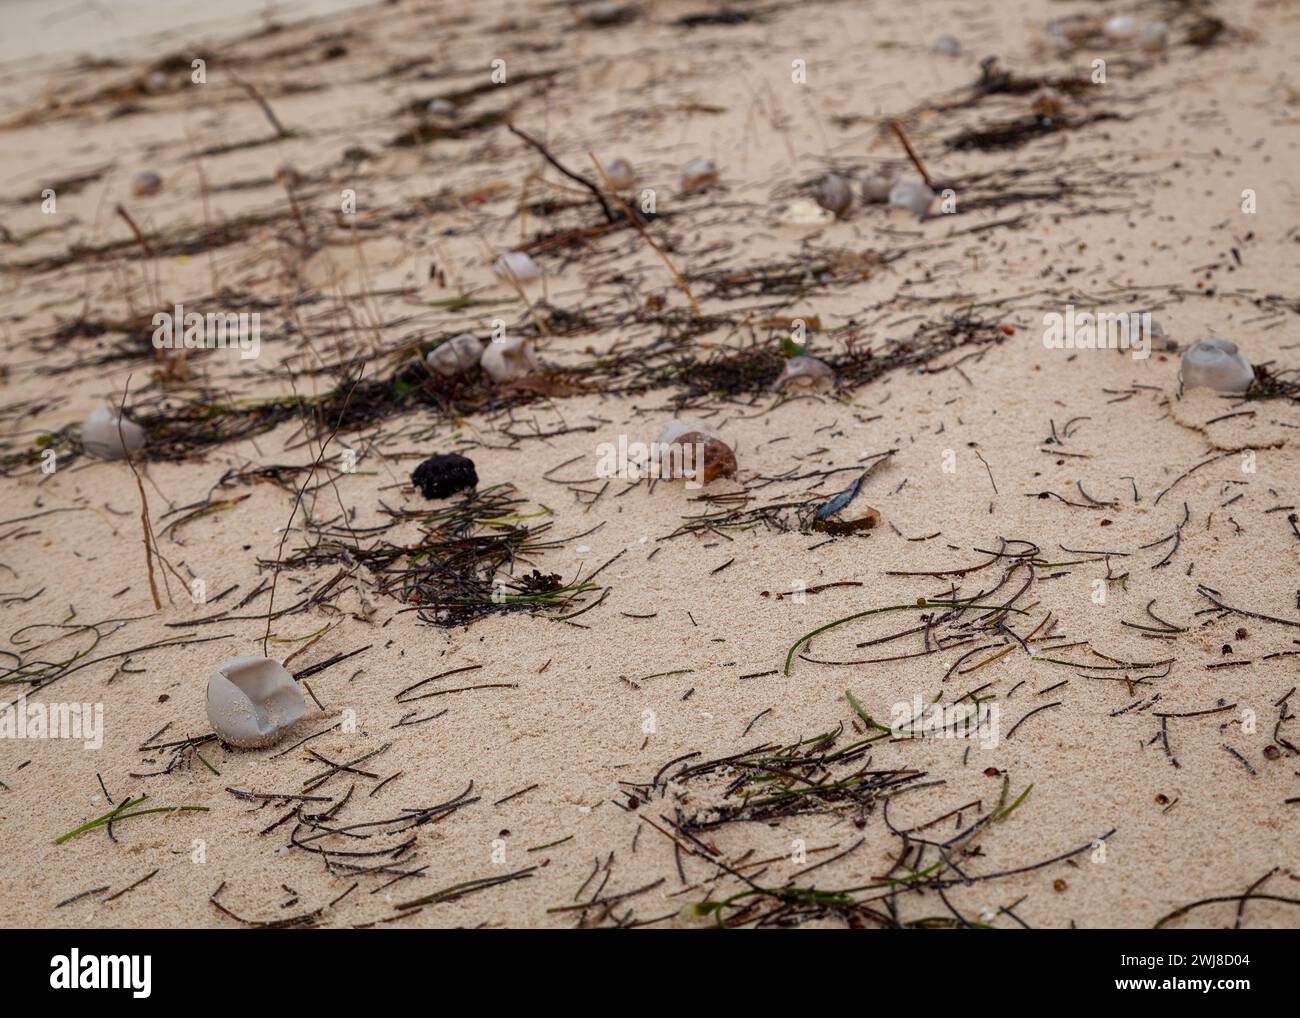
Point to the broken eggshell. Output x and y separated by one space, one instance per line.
517 266
805 373
913 194
835 194
457 356
102 437
145 183
877 184
252 701
699 174
619 173
1216 364
505 360
718 459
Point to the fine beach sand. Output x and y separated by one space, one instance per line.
1147 757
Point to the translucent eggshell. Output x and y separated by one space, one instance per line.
911 193
805 372
145 183
948 45
252 701
441 108
877 185
457 356
519 266
1216 364
835 194
620 174
100 435
505 360
698 174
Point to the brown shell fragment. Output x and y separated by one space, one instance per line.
719 460
838 527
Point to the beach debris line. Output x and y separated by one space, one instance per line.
110 435
252 701
445 474
1216 364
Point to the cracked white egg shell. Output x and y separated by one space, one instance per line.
1216 364
699 173
517 266
101 436
505 360
252 701
619 173
913 194
457 356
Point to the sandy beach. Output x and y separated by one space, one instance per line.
983 629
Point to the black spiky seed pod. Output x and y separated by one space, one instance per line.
444 474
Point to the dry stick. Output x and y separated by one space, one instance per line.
916 160
636 223
576 177
279 552
257 97
144 501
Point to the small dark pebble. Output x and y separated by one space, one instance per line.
444 474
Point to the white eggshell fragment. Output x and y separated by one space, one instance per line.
505 360
519 266
145 183
835 194
699 174
456 356
252 701
913 194
948 45
619 173
805 372
1216 364
102 437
